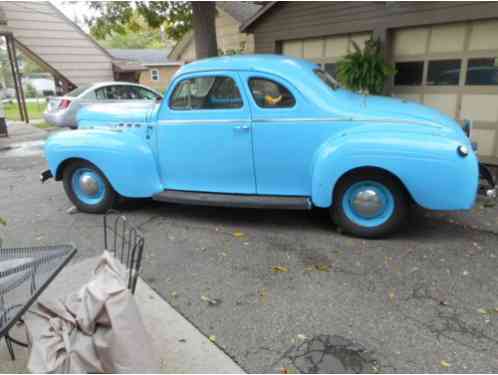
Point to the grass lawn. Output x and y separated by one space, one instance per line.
35 109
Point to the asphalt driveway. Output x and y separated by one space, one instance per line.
283 291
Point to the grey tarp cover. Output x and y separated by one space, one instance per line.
97 329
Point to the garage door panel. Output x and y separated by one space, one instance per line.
336 46
293 48
484 35
313 48
485 139
480 107
446 103
447 38
410 41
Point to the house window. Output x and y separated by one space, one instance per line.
444 72
482 71
154 75
409 73
330 68
206 93
270 94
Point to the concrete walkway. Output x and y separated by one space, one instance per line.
181 347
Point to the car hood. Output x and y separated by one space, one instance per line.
111 115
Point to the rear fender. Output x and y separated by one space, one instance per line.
428 166
122 156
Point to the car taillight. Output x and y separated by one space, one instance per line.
64 104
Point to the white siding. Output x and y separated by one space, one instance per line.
57 41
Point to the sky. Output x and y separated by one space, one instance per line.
75 11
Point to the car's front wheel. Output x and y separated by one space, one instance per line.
88 188
369 204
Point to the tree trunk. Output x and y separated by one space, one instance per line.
203 22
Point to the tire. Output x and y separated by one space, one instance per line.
383 214
96 203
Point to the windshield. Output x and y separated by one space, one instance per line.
327 79
77 91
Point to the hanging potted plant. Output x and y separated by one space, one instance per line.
365 70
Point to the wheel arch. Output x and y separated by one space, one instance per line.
371 169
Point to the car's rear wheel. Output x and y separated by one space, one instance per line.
88 188
369 204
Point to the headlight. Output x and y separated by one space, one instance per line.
462 150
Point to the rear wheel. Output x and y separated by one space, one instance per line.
369 204
88 188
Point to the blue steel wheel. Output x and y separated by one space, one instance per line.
369 204
88 188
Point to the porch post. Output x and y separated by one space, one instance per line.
21 101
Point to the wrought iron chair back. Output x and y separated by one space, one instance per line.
126 243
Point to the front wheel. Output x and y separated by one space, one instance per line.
88 188
369 204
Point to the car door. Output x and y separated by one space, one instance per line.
287 132
205 135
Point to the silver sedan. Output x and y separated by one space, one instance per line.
61 111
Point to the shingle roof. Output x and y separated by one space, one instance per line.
146 56
240 10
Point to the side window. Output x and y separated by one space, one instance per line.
101 94
155 75
270 94
206 93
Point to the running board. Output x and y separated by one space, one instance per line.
234 200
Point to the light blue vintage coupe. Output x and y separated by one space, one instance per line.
269 131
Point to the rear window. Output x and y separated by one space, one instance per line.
77 91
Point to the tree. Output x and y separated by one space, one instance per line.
176 17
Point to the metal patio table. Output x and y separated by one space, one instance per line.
24 274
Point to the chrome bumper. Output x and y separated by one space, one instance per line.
489 188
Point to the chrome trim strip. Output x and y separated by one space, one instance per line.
214 122
296 120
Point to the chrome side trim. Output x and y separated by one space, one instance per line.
210 121
294 120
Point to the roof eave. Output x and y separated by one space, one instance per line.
244 27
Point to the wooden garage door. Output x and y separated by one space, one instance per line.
454 68
325 51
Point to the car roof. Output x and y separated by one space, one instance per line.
98 85
276 64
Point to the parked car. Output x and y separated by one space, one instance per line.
62 111
270 131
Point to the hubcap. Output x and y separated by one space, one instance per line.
367 203
89 184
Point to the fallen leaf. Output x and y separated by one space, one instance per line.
211 301
302 337
308 269
212 338
391 295
279 269
445 364
322 267
238 234
174 294
482 311
283 370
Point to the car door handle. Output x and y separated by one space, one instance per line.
242 127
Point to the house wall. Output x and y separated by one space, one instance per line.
40 29
298 20
165 74
228 37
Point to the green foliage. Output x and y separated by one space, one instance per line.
175 17
365 70
30 91
136 34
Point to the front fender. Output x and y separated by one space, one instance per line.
427 164
122 156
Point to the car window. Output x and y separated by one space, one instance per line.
206 93
142 93
77 91
115 92
270 94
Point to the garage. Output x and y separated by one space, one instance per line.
325 51
453 68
